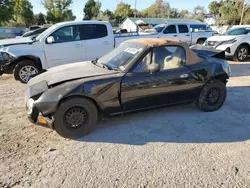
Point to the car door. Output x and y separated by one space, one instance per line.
66 48
184 33
97 41
170 32
172 84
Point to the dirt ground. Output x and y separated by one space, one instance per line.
169 147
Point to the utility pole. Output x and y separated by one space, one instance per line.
242 11
135 8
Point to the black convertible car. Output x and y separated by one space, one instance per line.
139 74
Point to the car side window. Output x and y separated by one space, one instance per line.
247 31
93 31
170 29
67 34
168 57
183 29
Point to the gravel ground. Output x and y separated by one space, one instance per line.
169 147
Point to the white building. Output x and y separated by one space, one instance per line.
131 24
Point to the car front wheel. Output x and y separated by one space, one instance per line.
212 96
75 118
24 70
241 53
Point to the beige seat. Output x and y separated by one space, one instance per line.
173 61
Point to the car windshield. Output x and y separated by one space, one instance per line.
119 58
159 28
45 32
239 31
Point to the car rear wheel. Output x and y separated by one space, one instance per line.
24 70
212 96
241 53
75 117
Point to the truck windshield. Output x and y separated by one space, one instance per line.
119 58
159 28
45 32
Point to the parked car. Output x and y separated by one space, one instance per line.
190 33
34 33
70 42
139 74
235 42
7 32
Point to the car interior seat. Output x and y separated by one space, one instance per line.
175 60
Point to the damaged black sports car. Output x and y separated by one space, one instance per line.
139 74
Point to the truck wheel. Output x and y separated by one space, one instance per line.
25 69
201 41
212 96
241 53
75 118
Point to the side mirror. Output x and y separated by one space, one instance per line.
50 40
154 68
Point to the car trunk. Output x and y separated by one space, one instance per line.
208 51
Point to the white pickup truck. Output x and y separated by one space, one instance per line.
70 42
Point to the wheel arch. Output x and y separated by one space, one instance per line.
222 77
28 57
201 38
80 96
245 44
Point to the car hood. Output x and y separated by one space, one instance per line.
221 38
69 72
8 42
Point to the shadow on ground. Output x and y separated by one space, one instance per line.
181 124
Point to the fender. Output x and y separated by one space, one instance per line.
32 51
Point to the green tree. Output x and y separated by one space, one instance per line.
109 14
231 12
91 9
5 10
58 10
214 8
199 13
22 12
123 11
39 19
184 14
160 9
174 13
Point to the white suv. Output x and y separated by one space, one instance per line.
236 43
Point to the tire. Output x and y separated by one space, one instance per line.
83 113
212 96
241 53
25 69
201 41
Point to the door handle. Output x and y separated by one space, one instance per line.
106 42
187 35
184 76
78 45
175 35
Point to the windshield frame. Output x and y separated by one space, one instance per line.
47 31
104 60
159 26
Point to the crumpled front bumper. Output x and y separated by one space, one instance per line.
5 63
36 117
